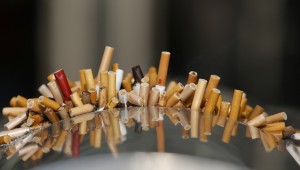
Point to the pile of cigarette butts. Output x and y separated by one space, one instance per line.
109 101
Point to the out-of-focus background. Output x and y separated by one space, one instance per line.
251 44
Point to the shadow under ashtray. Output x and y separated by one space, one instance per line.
141 160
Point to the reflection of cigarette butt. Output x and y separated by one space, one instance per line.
268 141
83 118
228 130
174 120
59 143
160 132
68 144
209 109
98 137
51 115
202 136
184 120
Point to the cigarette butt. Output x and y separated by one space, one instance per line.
89 78
256 111
192 77
113 103
162 101
246 113
68 144
137 73
63 84
235 105
93 95
35 107
152 73
53 86
170 86
127 85
111 85
160 135
257 121
145 80
288 132
176 89
45 91
16 121
173 100
83 84
5 139
115 67
144 92
106 59
48 102
134 98
51 115
276 117
163 68
212 83
21 101
278 126
228 130
188 90
47 145
76 99
81 110
13 102
154 97
13 111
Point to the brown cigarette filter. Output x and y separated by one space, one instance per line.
82 80
63 113
48 102
35 107
235 105
93 95
176 89
163 68
192 78
276 117
21 101
188 90
111 85
5 139
115 67
212 83
51 115
245 114
278 126
152 73
81 110
106 59
228 130
127 85
173 100
256 111
13 102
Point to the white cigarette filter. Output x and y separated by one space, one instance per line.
119 78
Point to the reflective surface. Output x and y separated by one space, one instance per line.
241 153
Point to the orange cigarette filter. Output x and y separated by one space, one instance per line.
106 59
212 83
163 68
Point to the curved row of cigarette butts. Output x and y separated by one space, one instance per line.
109 101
